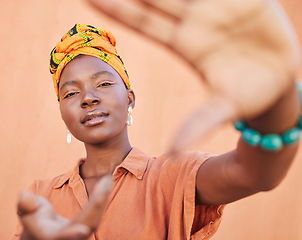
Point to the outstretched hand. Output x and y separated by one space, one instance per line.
246 51
40 221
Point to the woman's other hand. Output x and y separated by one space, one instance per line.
41 222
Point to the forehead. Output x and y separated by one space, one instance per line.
85 66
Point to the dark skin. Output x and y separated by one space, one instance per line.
93 104
89 85
251 75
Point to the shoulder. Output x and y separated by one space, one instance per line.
44 186
181 160
179 166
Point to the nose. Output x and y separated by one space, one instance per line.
90 99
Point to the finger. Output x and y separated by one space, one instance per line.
138 17
74 232
32 209
215 112
172 7
94 210
288 27
27 203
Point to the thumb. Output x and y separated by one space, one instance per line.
75 232
27 203
216 111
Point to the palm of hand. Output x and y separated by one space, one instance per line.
40 219
242 49
245 50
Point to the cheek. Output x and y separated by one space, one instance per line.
118 96
120 106
67 116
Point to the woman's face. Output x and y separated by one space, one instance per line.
93 100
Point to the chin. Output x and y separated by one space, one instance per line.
100 136
99 139
95 140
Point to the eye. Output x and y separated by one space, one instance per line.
105 84
67 95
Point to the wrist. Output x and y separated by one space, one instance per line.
282 116
278 127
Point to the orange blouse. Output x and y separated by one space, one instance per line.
152 198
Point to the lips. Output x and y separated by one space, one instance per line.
94 118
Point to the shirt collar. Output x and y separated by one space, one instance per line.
135 162
71 176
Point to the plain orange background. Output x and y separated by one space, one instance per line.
33 136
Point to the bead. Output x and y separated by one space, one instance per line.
299 87
68 138
271 142
129 110
129 120
300 98
291 136
239 125
250 136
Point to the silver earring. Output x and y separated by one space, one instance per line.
129 118
68 137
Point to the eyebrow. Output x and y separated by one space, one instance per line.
97 74
93 76
72 82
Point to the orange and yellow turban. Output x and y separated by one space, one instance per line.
86 40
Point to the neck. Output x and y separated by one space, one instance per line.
103 158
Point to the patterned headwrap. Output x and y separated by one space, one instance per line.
86 40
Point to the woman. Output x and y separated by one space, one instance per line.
177 195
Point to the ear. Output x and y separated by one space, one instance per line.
131 98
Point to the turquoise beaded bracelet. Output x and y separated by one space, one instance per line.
271 142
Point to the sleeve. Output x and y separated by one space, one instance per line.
188 221
19 228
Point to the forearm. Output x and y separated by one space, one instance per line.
248 170
265 169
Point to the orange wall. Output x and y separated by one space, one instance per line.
33 136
